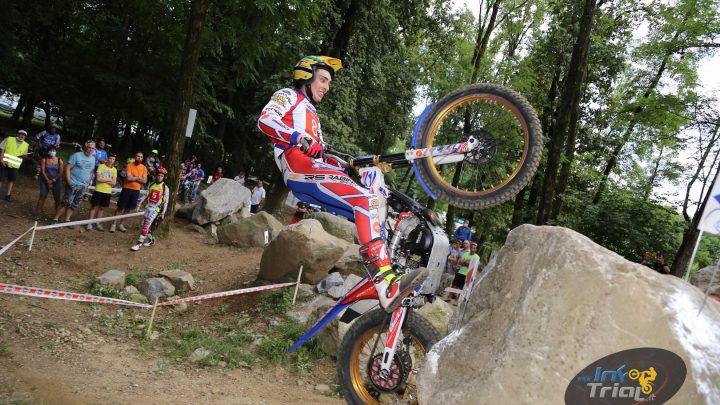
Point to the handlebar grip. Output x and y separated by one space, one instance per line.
304 144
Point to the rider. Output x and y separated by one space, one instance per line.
292 124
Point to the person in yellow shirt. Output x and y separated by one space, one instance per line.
106 176
12 150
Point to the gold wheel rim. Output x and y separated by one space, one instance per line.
356 377
440 117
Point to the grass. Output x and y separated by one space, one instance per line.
135 277
274 349
106 291
277 301
226 343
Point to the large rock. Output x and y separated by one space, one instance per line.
553 302
338 291
250 231
336 225
224 197
350 262
438 314
332 280
302 312
303 244
185 210
112 278
157 287
702 277
181 280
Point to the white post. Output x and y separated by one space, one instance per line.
32 237
297 285
707 290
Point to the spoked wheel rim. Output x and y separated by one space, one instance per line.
362 353
509 126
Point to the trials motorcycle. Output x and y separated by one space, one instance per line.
475 148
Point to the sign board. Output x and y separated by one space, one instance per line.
191 122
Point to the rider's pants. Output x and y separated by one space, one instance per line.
150 215
329 187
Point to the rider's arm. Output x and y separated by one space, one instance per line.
270 121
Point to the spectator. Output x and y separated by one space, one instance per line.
218 174
106 176
647 258
153 164
12 150
464 262
155 205
660 265
300 211
101 155
136 175
462 233
197 177
453 256
48 138
78 175
51 169
257 197
240 178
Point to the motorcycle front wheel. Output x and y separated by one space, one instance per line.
510 149
361 351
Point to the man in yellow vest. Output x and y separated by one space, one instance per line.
12 150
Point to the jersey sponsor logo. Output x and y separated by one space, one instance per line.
368 178
314 177
281 100
341 179
376 227
154 196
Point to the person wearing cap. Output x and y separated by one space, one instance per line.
105 176
47 138
78 175
12 150
136 174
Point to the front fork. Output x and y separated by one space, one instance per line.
394 336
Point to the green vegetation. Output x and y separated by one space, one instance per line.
277 301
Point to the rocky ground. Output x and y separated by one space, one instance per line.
66 352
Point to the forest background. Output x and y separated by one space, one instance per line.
631 137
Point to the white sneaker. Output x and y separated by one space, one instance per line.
112 228
135 248
100 228
122 228
89 227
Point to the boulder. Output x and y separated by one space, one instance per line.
185 210
178 307
249 232
550 304
303 244
702 277
332 334
181 280
211 230
336 225
224 197
332 280
156 287
301 313
338 291
438 314
350 262
195 227
112 278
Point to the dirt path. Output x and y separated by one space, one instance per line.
70 353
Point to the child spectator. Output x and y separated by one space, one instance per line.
218 174
106 176
155 205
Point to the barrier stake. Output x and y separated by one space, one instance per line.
152 318
297 285
32 237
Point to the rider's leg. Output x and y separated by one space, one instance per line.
332 189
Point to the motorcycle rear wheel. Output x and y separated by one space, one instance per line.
511 146
366 339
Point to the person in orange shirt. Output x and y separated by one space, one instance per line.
135 176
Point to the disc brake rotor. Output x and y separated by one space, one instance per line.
399 371
486 150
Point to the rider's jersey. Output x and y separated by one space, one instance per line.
288 115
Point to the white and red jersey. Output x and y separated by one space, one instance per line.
287 116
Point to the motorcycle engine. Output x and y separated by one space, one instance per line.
411 242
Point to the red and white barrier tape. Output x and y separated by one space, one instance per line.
68 296
226 293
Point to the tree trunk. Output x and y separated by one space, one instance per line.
277 196
340 41
482 40
28 114
46 108
566 164
569 100
188 67
15 118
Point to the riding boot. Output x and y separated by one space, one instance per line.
391 287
